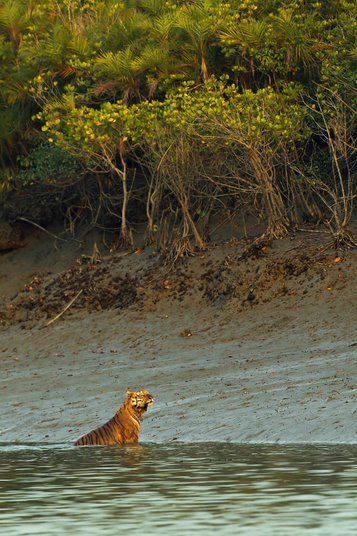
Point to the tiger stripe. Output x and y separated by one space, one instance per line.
125 426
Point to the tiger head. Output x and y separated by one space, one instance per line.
139 400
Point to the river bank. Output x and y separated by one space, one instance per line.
233 348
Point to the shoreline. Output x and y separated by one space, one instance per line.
281 370
67 446
274 397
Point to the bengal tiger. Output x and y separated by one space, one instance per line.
125 426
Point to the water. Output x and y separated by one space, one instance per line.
178 490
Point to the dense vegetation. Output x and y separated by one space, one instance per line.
169 112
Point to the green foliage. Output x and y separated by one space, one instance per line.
93 75
48 164
260 117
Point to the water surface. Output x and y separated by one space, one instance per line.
178 490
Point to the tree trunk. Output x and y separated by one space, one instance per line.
278 220
126 236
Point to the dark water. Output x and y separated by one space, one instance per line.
178 489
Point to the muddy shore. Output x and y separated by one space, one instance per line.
229 358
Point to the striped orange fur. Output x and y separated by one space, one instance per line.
125 426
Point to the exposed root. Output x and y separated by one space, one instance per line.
276 230
342 239
180 248
125 242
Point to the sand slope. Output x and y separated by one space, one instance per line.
281 368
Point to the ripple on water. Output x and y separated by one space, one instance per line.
178 490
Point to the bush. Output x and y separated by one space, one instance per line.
49 164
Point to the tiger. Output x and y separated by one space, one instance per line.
125 426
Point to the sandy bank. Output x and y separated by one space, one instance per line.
278 370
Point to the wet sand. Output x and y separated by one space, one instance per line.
241 381
277 372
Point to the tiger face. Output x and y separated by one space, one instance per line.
140 400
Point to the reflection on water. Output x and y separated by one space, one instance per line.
178 489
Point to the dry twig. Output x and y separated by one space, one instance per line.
64 310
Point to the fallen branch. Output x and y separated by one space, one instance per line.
42 228
64 310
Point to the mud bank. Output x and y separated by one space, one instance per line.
280 367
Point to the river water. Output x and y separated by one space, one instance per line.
178 489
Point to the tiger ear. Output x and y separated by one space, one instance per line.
129 392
